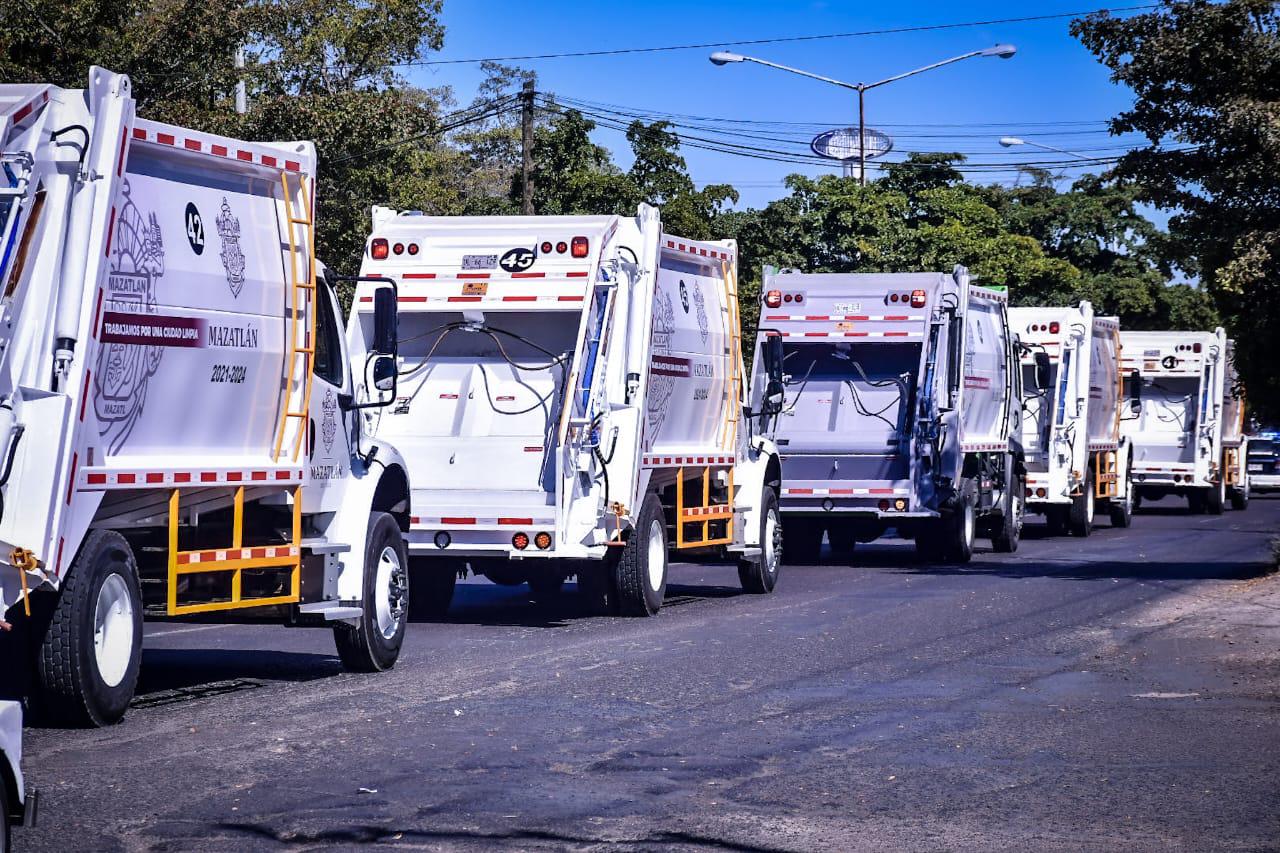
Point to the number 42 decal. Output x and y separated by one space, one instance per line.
195 229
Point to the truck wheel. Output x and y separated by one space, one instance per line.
840 537
87 664
374 644
5 811
432 580
1216 497
931 540
1009 532
760 575
1080 520
596 588
1196 501
1240 498
1122 508
1056 519
804 540
641 568
962 526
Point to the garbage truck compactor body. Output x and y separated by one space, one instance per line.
1185 418
902 410
1077 458
177 417
570 403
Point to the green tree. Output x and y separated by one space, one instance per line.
1206 84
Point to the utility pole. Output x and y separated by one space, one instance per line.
526 147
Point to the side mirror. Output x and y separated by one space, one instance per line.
771 351
385 323
384 372
1135 383
774 397
1044 371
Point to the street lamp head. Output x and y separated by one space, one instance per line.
1004 51
724 57
1010 141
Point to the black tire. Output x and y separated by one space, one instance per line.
641 583
6 809
72 687
1121 509
1137 498
1215 499
432 580
759 575
1240 498
841 539
961 525
804 540
1083 505
1009 531
1196 502
596 588
546 586
1057 519
373 645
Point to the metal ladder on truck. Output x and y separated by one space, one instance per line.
283 562
706 513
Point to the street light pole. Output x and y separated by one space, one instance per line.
723 57
1010 141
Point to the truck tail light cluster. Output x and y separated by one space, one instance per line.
542 541
775 298
918 298
1189 347
379 249
1052 328
578 247
915 298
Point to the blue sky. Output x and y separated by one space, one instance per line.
1053 79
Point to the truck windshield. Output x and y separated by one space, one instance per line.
862 391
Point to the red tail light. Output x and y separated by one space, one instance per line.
413 248
1054 328
918 298
546 247
579 247
520 541
1196 347
398 249
542 540
562 247
379 249
773 298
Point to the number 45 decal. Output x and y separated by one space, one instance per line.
195 229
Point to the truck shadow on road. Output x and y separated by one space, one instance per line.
1136 569
173 676
376 834
513 606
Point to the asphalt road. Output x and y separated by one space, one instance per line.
1115 692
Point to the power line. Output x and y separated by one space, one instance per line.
453 121
779 40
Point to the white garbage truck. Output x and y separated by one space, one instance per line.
180 433
1181 392
1077 458
570 402
902 411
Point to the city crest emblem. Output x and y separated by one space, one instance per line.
232 258
329 424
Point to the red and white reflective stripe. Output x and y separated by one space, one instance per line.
701 511
993 295
869 318
221 555
910 336
485 299
984 447
1156 469
142 478
30 107
475 521
654 460
700 251
228 149
546 275
1104 445
799 491
1108 325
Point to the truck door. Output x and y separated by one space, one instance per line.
329 425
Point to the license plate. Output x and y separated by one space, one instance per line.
1257 468
848 307
479 262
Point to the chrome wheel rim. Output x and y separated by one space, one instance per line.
113 630
389 589
657 555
